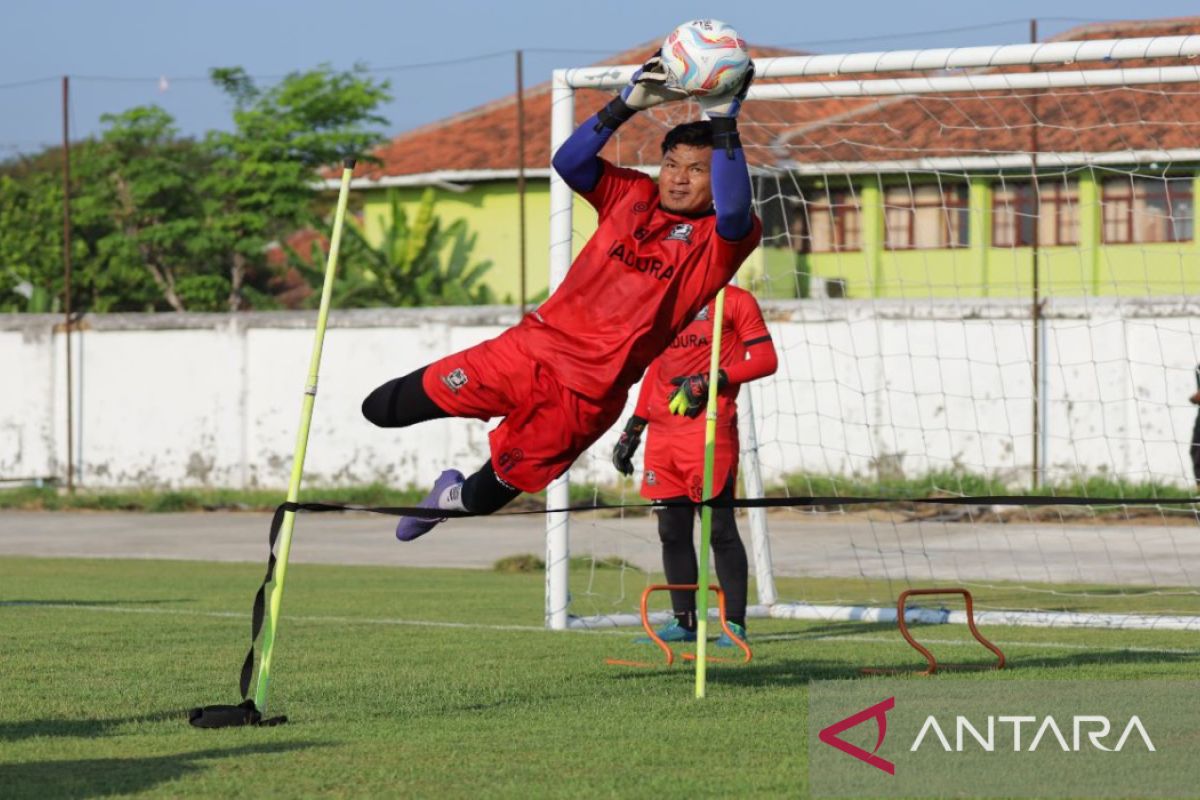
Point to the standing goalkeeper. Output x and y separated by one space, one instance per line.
560 377
674 392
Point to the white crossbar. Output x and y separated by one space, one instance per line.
944 84
613 77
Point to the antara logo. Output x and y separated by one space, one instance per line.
1095 727
877 712
1088 732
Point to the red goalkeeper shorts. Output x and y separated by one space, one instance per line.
546 425
674 462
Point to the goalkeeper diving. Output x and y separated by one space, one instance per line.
559 379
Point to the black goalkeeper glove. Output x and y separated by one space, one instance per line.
627 445
691 395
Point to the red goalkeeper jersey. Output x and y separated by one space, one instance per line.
640 279
742 330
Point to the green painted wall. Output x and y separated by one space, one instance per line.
491 211
979 270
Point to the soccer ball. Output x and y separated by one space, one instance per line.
705 56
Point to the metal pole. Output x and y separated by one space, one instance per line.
521 172
66 129
760 542
558 494
710 448
271 623
1035 245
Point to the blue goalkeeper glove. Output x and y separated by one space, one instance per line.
727 106
627 445
648 87
691 394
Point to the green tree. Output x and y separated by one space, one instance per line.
148 177
259 185
31 235
31 264
417 263
161 221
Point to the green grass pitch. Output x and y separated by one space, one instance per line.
428 683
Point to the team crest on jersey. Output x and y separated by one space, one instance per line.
455 380
681 233
651 478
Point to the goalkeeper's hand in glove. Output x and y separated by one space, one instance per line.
648 87
727 106
691 395
627 445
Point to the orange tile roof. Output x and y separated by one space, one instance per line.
846 130
484 138
1109 120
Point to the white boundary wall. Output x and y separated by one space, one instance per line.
211 399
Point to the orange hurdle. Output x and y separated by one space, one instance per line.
654 637
932 669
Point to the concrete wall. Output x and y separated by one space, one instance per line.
864 387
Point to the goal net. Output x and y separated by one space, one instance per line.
980 269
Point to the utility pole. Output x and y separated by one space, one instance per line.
66 129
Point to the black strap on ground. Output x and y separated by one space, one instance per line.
246 713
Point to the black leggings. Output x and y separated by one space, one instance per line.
1196 449
402 402
679 555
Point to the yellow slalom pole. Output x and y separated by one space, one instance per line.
710 450
270 625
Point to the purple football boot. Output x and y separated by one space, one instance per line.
410 528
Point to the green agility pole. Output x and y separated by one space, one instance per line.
710 449
271 624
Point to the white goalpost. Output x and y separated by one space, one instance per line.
980 267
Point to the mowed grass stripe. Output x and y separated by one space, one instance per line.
629 632
93 703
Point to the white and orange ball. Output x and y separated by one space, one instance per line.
705 56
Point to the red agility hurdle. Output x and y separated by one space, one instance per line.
667 651
934 667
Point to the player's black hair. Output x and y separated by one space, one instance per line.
696 134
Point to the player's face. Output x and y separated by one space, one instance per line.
685 181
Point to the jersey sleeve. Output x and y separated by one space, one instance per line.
750 328
748 319
615 183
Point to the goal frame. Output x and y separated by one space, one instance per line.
831 69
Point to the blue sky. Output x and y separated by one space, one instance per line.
117 51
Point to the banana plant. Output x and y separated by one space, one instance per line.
416 262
